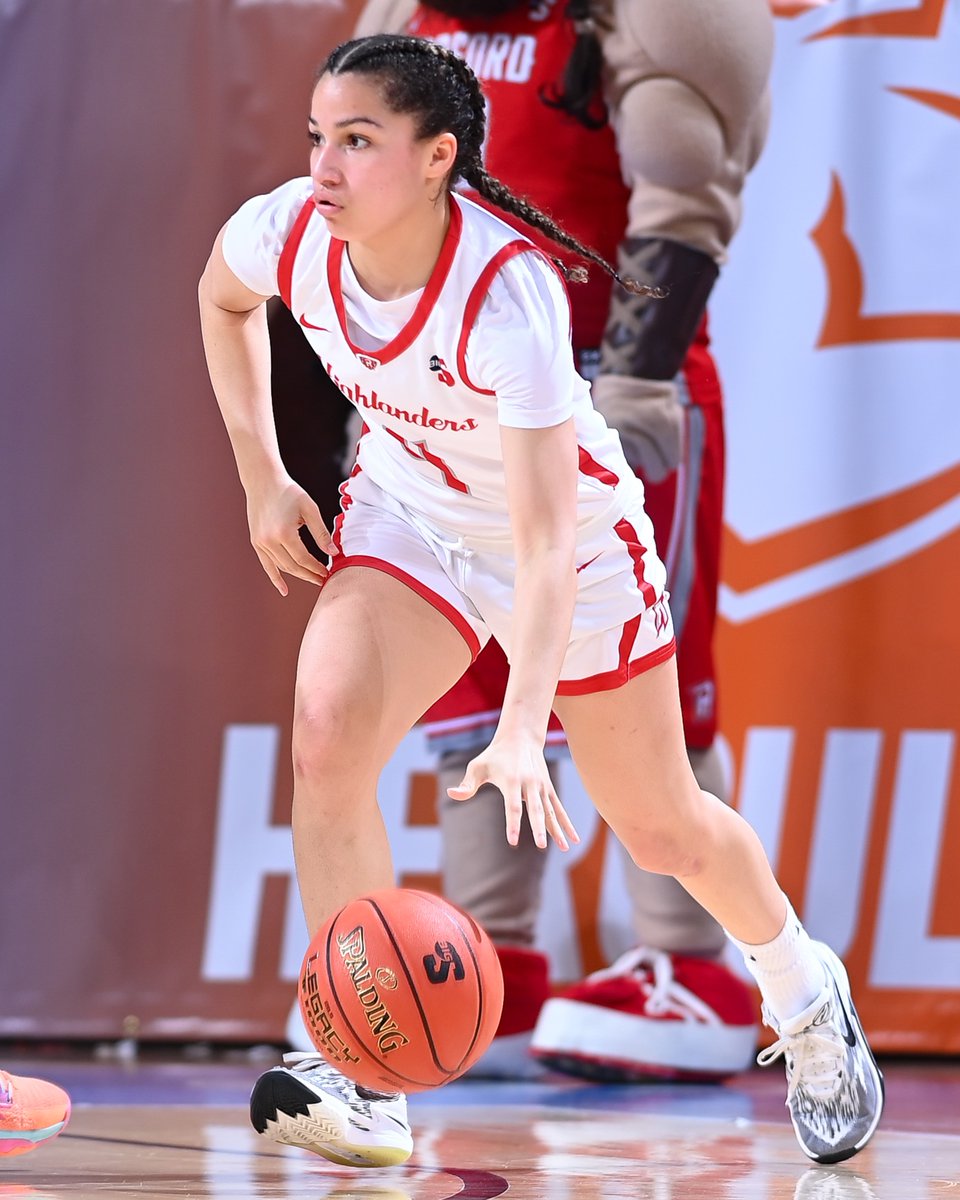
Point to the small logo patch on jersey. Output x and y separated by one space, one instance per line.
440 367
307 325
369 362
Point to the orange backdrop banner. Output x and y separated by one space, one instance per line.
838 334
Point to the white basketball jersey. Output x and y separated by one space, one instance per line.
432 430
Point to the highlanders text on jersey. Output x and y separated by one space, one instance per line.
486 343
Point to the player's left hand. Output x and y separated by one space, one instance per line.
519 771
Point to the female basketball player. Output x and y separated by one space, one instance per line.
598 81
489 497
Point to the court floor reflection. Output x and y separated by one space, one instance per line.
151 1133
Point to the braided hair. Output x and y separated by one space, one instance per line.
442 93
579 93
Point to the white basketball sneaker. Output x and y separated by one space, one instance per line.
310 1104
834 1086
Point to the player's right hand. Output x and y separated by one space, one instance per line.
275 517
517 769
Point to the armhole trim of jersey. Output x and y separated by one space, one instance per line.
479 293
289 253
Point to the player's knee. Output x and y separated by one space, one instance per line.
665 851
324 740
679 839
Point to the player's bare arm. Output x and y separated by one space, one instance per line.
237 346
540 467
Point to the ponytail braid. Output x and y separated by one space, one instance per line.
579 93
440 90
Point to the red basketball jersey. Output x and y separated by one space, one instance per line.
543 154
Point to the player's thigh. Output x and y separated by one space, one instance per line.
374 657
628 746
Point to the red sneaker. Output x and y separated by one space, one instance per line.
526 986
650 1015
31 1111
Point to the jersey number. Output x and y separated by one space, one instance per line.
419 450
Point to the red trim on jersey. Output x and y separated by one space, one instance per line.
479 293
628 535
413 328
444 607
608 680
589 466
289 253
345 500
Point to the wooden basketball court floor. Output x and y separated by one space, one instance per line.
178 1128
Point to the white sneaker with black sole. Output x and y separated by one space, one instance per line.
834 1086
310 1104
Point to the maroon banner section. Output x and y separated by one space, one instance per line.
136 621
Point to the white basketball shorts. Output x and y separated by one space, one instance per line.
621 620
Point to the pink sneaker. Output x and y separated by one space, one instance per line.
650 1015
526 985
31 1111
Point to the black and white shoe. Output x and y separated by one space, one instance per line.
834 1086
310 1104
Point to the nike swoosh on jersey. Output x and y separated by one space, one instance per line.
306 324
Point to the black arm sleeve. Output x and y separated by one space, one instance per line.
648 338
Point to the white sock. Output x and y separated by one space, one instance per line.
788 970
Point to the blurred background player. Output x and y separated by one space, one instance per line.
637 123
31 1111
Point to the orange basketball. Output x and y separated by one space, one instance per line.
401 990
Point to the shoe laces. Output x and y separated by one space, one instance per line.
814 1057
330 1079
663 993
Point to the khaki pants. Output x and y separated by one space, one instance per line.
501 885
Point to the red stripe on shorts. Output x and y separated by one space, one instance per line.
345 501
606 681
625 671
631 539
444 607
